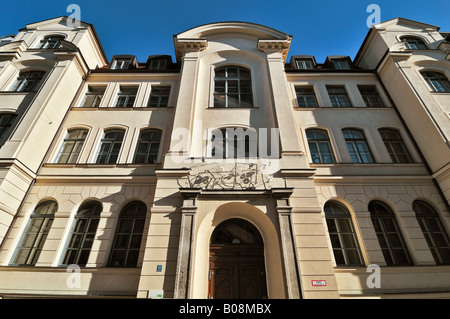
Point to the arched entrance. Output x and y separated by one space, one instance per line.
236 262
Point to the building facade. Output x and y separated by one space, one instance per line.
231 172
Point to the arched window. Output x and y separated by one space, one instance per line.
236 231
342 234
34 238
433 231
148 146
6 121
437 81
128 237
395 145
319 146
83 234
357 146
72 145
234 142
110 146
28 81
413 43
232 87
51 42
389 236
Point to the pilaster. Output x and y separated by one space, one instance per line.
184 262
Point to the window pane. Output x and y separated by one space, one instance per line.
354 257
36 234
128 235
232 87
342 236
389 237
339 257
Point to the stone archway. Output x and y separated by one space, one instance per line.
236 262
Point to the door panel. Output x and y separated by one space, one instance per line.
252 281
223 281
237 273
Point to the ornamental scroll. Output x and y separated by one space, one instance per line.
236 176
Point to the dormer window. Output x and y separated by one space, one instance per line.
304 64
51 42
413 43
121 64
341 64
158 64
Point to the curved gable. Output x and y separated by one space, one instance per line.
257 30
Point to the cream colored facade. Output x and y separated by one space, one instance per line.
285 204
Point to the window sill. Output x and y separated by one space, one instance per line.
17 92
439 93
342 108
112 108
363 164
231 108
125 165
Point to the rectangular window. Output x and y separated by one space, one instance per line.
319 146
357 146
121 64
110 147
6 121
232 87
306 97
304 64
126 96
438 82
158 64
370 96
338 96
28 81
71 149
395 146
341 64
93 96
148 147
52 42
159 96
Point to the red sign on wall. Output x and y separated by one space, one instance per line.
318 283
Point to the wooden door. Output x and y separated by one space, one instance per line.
236 262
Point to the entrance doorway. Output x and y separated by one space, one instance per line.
236 262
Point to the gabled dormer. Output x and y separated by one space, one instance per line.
338 62
159 62
123 62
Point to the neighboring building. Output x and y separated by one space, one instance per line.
228 173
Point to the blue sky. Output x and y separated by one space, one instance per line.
143 28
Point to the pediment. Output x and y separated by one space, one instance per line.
257 30
59 23
402 24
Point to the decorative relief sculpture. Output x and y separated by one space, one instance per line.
227 176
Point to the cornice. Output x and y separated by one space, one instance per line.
183 46
277 45
12 50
